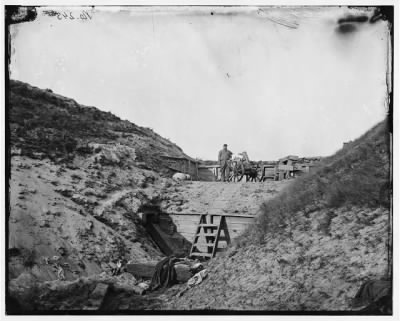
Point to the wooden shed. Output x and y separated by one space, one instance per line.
209 173
183 164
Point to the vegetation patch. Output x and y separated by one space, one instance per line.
358 174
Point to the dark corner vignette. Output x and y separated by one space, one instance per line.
13 15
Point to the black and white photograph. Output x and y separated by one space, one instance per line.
200 159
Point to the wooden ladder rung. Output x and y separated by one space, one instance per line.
204 244
202 233
209 225
208 234
201 254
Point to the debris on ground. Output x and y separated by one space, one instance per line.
145 285
197 267
165 273
195 280
181 272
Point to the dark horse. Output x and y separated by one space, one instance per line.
251 174
238 171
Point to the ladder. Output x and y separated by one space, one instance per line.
207 235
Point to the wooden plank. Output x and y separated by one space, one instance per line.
160 238
208 225
186 224
183 220
239 219
190 225
186 227
238 226
283 167
232 234
180 214
214 248
204 244
178 219
208 234
201 254
189 235
192 228
209 166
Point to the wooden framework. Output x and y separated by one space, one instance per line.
208 234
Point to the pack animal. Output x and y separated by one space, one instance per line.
251 174
241 166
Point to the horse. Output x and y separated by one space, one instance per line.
240 167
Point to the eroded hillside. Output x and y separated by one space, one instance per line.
80 179
45 124
315 243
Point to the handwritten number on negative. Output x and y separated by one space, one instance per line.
84 15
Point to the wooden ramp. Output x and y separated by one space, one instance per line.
208 235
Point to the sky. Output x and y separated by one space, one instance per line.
266 80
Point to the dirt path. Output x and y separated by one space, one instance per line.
242 198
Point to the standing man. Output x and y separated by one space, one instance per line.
224 156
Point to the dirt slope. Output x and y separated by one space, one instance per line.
79 181
81 178
73 215
314 244
315 269
216 197
45 124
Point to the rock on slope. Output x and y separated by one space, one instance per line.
314 244
79 180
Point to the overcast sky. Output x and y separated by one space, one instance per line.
272 82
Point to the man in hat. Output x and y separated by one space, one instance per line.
224 156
